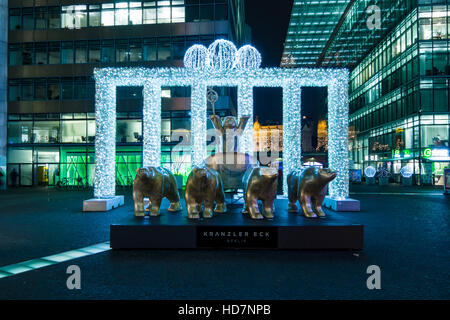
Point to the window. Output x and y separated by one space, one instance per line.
40 54
41 17
122 51
80 52
54 17
149 50
108 14
163 14
14 90
14 19
27 90
178 14
94 51
121 14
80 88
74 16
27 18
67 53
40 90
94 16
163 49
54 53
135 13
53 89
15 55
67 89
107 51
135 50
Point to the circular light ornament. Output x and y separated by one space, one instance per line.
247 57
370 172
222 54
196 57
406 172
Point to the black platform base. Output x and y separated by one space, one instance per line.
234 230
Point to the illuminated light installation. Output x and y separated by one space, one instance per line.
226 68
406 172
370 172
222 55
196 57
247 57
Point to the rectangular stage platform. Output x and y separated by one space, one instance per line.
234 230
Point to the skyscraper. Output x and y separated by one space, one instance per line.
398 56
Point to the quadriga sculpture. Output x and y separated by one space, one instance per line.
155 183
260 183
309 186
204 186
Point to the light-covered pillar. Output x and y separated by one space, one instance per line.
3 86
105 140
198 124
292 129
151 124
245 108
338 136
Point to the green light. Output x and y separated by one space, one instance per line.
427 153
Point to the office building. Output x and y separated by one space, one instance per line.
397 52
53 48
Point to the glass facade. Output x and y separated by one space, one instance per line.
398 55
118 13
399 98
51 117
65 142
104 51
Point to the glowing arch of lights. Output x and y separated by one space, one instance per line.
230 67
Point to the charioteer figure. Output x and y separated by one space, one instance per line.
228 130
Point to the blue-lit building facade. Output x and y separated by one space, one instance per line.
399 82
52 51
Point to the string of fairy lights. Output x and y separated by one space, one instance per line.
221 64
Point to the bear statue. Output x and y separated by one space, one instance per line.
260 183
154 183
309 186
204 186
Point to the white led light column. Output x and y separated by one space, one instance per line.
245 108
105 139
338 136
292 129
198 123
151 124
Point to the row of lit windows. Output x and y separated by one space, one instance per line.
394 44
434 97
434 24
104 51
434 61
51 89
354 39
397 75
116 14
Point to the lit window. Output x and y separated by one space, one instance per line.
107 14
135 13
121 13
165 93
177 14
163 14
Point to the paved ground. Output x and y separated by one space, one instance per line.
406 234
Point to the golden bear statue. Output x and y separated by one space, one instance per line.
154 183
204 186
260 183
309 187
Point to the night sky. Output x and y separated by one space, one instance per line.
269 21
